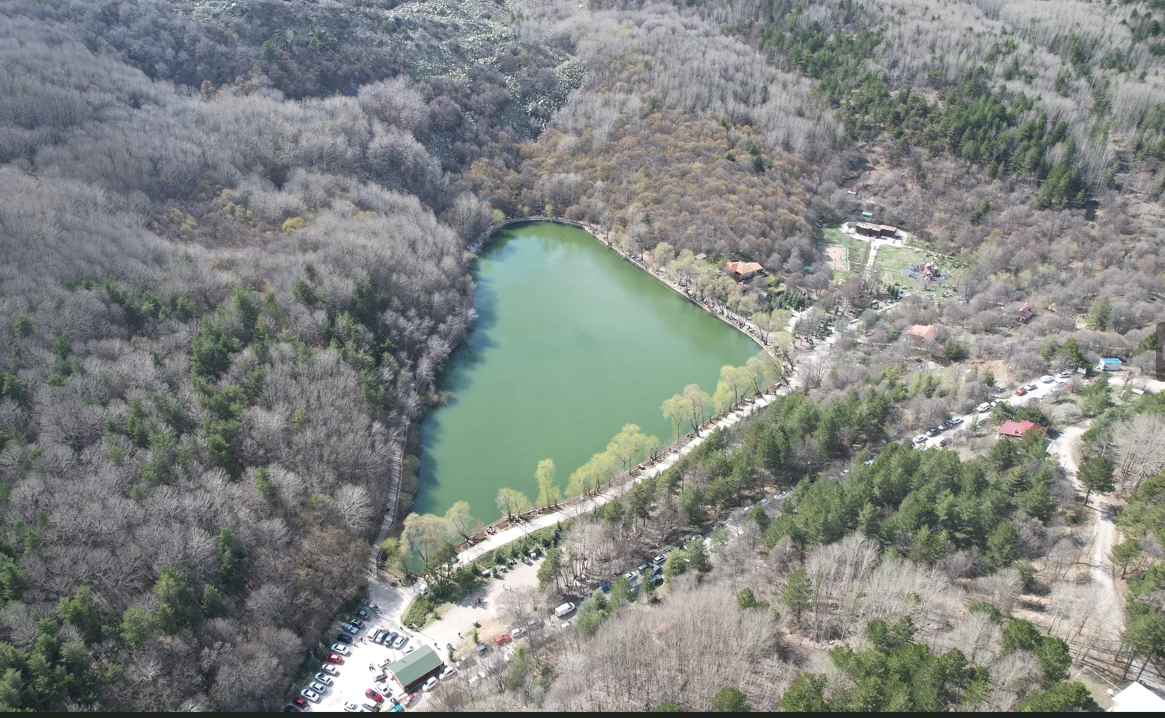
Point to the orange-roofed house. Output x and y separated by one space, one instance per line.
744 270
1017 429
925 332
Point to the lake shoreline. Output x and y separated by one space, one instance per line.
744 326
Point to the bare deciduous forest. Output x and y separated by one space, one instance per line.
233 254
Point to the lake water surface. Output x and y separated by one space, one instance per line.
571 343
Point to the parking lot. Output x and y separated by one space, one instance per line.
1043 389
361 667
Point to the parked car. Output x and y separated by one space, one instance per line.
324 678
605 587
564 609
310 695
412 697
946 441
1047 378
934 431
430 684
334 658
351 629
630 575
329 669
449 671
994 402
1021 391
503 639
389 638
984 407
642 568
318 687
517 633
341 649
481 648
350 707
1032 387
357 623
764 501
400 642
474 680
292 709
299 702
955 420
343 637
1064 374
920 439
374 695
396 708
363 614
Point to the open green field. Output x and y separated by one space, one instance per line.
892 260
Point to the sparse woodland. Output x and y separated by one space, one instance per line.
232 259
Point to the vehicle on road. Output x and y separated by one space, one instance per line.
329 669
389 638
334 658
341 649
482 648
396 708
310 695
920 439
430 684
564 609
955 420
982 408
374 695
474 680
1047 378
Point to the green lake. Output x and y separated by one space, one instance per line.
571 343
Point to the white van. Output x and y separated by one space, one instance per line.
564 609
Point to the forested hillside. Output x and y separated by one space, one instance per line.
233 260
228 261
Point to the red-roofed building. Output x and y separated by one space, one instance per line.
1017 429
744 270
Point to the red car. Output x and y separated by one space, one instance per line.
1021 391
410 699
334 658
299 701
503 639
374 695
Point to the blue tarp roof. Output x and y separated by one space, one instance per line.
1110 360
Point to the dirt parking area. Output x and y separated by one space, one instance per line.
837 256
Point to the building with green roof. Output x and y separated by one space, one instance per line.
412 670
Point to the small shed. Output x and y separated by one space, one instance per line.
1108 364
415 668
1025 313
701 255
1018 429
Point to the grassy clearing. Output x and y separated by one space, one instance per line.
892 260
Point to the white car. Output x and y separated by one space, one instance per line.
920 439
430 684
984 407
329 669
318 687
1047 378
350 707
324 678
517 633
341 649
449 671
310 695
